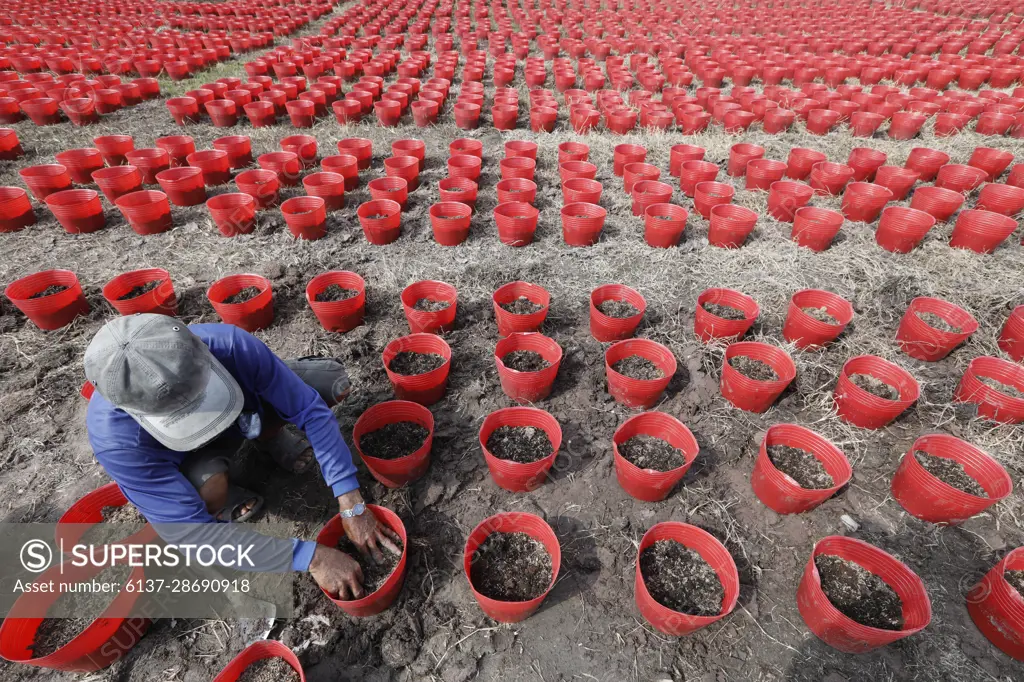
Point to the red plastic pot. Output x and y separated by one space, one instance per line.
830 178
395 473
10 146
77 210
750 394
865 162
262 185
517 167
302 113
960 178
338 316
344 165
259 651
53 311
863 201
1011 339
901 229
778 120
664 224
303 146
450 222
178 147
634 173
161 299
237 147
261 114
214 164
464 166
866 410
680 153
183 186
708 326
568 170
43 111
763 173
981 231
184 110
385 595
458 189
898 180
989 123
88 511
801 161
514 148
512 522
252 315
786 197
992 404
466 146
528 387
223 112
865 123
44 180
389 189
327 186
1005 200
510 323
542 119
649 192
581 190
992 161
429 322
233 214
382 230
147 211
730 225
605 328
516 189
647 484
740 155
781 493
80 163
926 161
15 210
117 181
710 194
624 154
306 217
515 476
573 151
638 393
805 331
517 222
842 632
149 162
360 148
996 607
664 619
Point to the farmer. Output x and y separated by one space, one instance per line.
172 406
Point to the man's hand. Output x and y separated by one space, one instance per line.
365 532
337 572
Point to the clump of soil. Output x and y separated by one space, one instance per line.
378 216
430 305
522 306
49 291
409 363
951 472
54 633
636 367
875 386
111 529
679 578
246 294
936 322
393 441
800 465
511 567
1007 389
648 452
335 292
726 312
821 315
859 594
525 361
522 444
126 513
617 309
140 290
1016 580
753 369
374 574
269 670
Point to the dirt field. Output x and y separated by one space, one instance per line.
588 628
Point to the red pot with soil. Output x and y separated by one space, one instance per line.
328 186
1011 339
664 224
740 155
898 180
245 301
306 217
360 148
338 299
430 306
458 189
730 225
625 154
147 211
996 607
801 161
581 190
516 189
519 446
996 386
450 222
491 551
517 222
786 197
615 312
393 439
464 166
755 374
901 229
381 220
665 609
707 195
51 299
871 392
797 469
527 366
931 328
582 223
16 211
907 608
816 318
520 307
945 480
254 654
260 184
149 290
405 167
389 189
724 314
638 371
763 173
573 151
418 366
79 211
89 510
981 231
653 451
385 595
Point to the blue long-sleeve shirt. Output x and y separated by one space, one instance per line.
149 474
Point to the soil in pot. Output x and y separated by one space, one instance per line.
753 369
821 315
140 290
111 529
511 567
430 305
679 578
244 295
726 312
525 361
859 594
800 465
522 306
394 441
374 574
875 387
50 291
335 292
617 309
648 452
269 670
409 363
936 322
522 444
1016 580
637 367
1005 389
951 472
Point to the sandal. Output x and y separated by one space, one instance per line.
286 449
238 496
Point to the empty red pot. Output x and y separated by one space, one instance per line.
898 180
605 328
786 197
740 155
183 186
996 609
338 316
865 123
147 211
730 225
395 473
262 185
751 394
237 147
863 201
1005 200
458 189
981 231
573 151
233 213
763 173
780 492
867 410
114 147
901 229
926 162
46 179
1011 339
515 476
865 162
647 484
43 111
360 148
327 186
710 194
429 322
815 228
55 310
801 161
829 178
638 393
183 110
528 387
991 403
178 147
160 299
989 123
625 154
806 331
517 223
509 323
77 210
149 162
252 315
992 161
15 210
960 178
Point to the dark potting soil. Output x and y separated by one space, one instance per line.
408 363
617 309
951 472
525 361
335 292
511 567
49 291
429 305
269 670
726 312
393 441
679 578
936 322
648 452
859 594
242 296
140 290
636 367
374 574
875 386
523 444
522 306
1006 389
821 315
1016 580
753 369
378 216
800 465
118 523
53 633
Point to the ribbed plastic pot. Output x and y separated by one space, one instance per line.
43 111
1011 339
898 180
926 161
740 155
395 473
514 148
960 178
327 186
88 511
605 328
237 147
149 162
992 161
252 315
306 217
528 387
510 323
464 166
223 113
638 393
581 190
649 485
842 632
424 321
778 120
865 162
763 173
147 211
664 224
517 222
516 189
16 211
338 316
80 163
786 197
992 404
801 161
183 186
53 311
981 231
184 110
385 595
466 146
680 153
178 147
10 146
730 225
261 184
458 189
805 331
568 170
259 651
573 151
424 112
160 299
1005 200
750 394
864 409
865 123
777 490
901 229
77 210
389 189
648 192
625 154
863 201
359 147
514 476
450 222
708 326
380 230
938 202
996 608
992 123
710 194
829 178
404 167
512 522
46 179
664 619
633 173
692 173
233 213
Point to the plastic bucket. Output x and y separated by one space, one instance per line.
996 609
992 404
730 225
147 211
259 651
625 154
805 331
865 162
16 211
44 180
464 166
338 316
160 299
801 161
233 213
750 394
450 222
992 161
863 201
1005 200
647 484
864 409
664 225
922 341
1011 339
178 147
510 323
427 322
458 189
405 167
898 180
638 393
328 186
901 229
517 222
262 185
605 328
582 223
395 473
383 230
778 491
515 476
516 189
740 155
53 311
528 387
149 162
830 178
77 210
306 217
252 315
514 148
981 231
708 326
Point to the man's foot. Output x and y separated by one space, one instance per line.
289 450
241 506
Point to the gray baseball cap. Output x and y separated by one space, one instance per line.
155 369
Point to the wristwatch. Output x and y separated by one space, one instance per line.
356 510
